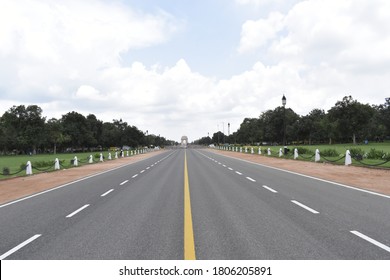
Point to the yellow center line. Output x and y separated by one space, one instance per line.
189 244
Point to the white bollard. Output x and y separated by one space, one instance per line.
240 149
252 151
269 151
348 159
75 161
280 152
246 149
109 156
101 157
127 153
116 155
56 164
317 157
295 153
259 150
28 168
90 159
131 153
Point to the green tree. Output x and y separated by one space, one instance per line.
23 128
75 126
351 117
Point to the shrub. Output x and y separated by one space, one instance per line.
305 151
375 154
42 163
357 153
6 171
329 153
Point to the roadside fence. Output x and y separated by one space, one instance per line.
346 159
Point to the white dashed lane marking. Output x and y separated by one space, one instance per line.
77 211
268 188
107 192
124 182
372 241
21 245
305 207
250 179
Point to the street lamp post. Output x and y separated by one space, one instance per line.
284 122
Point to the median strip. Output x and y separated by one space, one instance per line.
189 243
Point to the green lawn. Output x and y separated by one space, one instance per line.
45 162
366 150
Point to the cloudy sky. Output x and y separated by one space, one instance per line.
184 67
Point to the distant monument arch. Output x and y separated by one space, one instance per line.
184 141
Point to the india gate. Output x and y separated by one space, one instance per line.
184 141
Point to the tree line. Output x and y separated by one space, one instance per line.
347 121
23 130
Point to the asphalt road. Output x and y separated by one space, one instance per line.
185 204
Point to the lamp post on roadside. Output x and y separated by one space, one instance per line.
284 121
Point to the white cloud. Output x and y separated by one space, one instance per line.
255 34
336 48
46 41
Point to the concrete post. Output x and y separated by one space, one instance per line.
280 152
127 153
75 161
56 164
317 157
252 151
90 159
259 151
109 156
116 155
348 159
101 157
269 151
28 168
295 153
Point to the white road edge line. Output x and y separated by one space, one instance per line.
250 179
373 241
142 171
124 182
239 173
270 189
231 169
305 207
107 192
21 245
77 211
147 168
134 176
